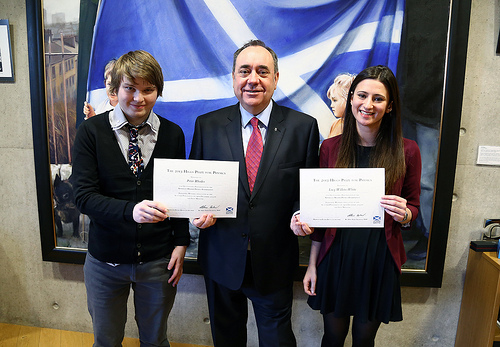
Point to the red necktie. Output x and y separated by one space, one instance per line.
254 152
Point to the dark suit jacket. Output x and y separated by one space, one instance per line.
292 142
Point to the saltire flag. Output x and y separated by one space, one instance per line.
194 42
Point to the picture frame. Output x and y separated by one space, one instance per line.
453 61
498 43
6 63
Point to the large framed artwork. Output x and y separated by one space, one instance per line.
423 42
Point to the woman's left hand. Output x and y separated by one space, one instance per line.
395 206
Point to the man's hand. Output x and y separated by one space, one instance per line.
148 211
205 221
300 228
177 264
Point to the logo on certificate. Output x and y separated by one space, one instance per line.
229 210
377 219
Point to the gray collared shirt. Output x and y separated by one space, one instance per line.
147 134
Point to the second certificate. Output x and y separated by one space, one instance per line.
190 188
342 197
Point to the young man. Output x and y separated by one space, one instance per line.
132 242
255 255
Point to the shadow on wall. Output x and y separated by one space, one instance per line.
10 283
64 272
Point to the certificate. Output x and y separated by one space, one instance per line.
342 198
190 188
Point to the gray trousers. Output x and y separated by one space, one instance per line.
108 288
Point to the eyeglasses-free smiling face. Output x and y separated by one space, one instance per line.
370 102
136 99
254 79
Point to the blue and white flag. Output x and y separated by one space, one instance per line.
194 42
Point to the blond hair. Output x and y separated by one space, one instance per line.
137 64
341 83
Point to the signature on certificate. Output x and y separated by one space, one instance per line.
211 207
356 215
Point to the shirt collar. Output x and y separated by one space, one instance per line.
118 120
264 116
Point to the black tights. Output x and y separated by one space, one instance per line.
336 329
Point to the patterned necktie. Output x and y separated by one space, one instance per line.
254 152
134 152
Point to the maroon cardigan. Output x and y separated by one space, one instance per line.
407 187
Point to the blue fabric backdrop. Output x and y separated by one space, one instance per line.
194 42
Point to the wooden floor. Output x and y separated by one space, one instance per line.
23 336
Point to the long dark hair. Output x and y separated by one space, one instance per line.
388 151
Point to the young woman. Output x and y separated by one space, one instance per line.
356 271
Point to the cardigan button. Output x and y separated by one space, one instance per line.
138 183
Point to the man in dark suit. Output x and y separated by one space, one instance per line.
255 255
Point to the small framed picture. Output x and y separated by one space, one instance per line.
498 43
6 70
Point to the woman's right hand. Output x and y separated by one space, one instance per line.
309 280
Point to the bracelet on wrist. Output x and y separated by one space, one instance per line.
405 219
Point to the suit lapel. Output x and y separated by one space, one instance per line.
274 136
233 132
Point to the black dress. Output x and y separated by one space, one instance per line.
358 276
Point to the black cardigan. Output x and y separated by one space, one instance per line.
106 190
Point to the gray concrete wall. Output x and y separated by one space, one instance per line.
29 287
